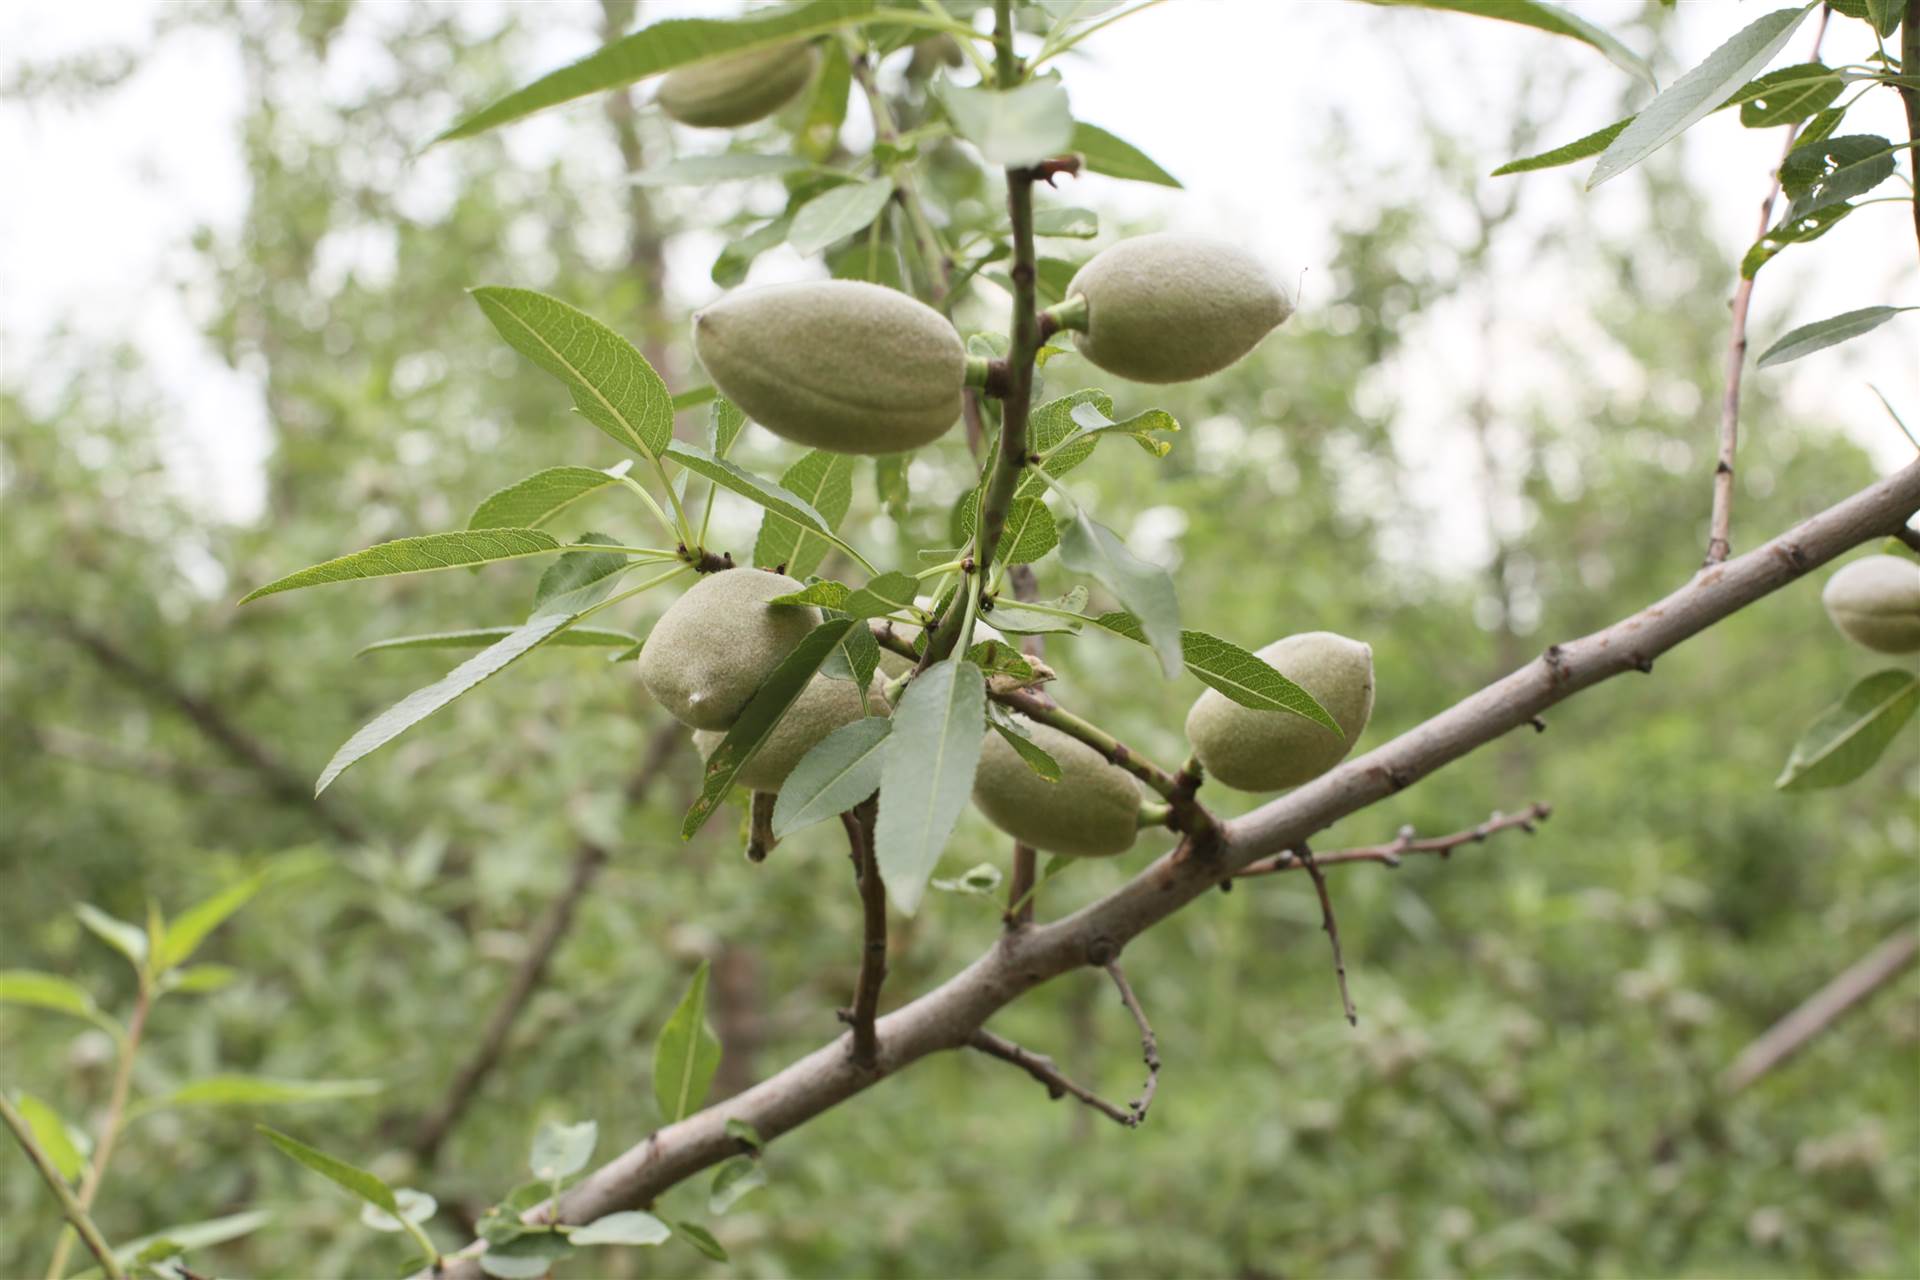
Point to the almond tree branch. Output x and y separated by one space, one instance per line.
873 951
1719 546
1149 1045
75 1214
947 1017
1821 1010
1402 844
555 922
1331 926
1042 1068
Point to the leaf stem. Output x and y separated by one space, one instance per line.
652 504
111 1126
71 1207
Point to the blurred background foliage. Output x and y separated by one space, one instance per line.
1531 1087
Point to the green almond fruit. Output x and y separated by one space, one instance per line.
824 705
840 365
1875 601
1092 812
737 90
719 642
1170 307
1251 750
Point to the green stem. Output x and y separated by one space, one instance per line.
75 1214
654 506
110 1127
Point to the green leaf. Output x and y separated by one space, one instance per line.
1248 679
1106 154
1023 746
425 554
764 492
1851 735
686 1055
129 940
676 42
1822 125
1821 334
190 929
1788 95
824 481
998 658
1885 15
190 1236
1824 173
756 723
542 496
1019 126
632 1227
821 592
37 990
361 1183
1030 531
1089 547
1012 616
1776 241
731 267
1698 92
725 422
727 166
527 1256
840 771
888 593
1579 149
613 386
1051 430
1546 17
415 1206
927 777
200 979
732 1181
700 1238
561 1149
421 703
890 483
1140 428
1065 222
260 1091
579 579
51 1132
481 637
819 132
741 1131
838 214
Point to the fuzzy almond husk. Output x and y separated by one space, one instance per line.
1875 601
824 705
715 646
726 92
1092 812
1251 750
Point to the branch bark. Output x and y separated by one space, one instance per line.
1821 1010
1405 843
1020 960
873 926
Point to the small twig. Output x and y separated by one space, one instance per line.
1404 843
1332 926
760 837
71 1207
1821 1010
1149 1046
1020 886
111 1125
1719 540
1041 1068
873 951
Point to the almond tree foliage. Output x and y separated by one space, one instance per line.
1532 1084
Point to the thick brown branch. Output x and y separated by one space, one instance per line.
947 1017
1403 844
555 921
873 926
1822 1009
1041 1068
1719 544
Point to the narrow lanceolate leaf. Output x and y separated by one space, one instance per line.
838 213
37 990
1821 334
190 929
686 1055
1026 748
700 1238
1013 616
727 166
725 422
580 578
629 1227
481 637
1012 126
818 133
1241 675
1825 173
1579 149
424 554
421 703
1546 17
613 386
928 775
660 47
757 721
1146 589
129 940
50 1131
842 770
1684 102
825 482
542 496
361 1183
1788 95
888 593
562 1149
1116 158
260 1091
773 497
1851 735
190 1236
1788 233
